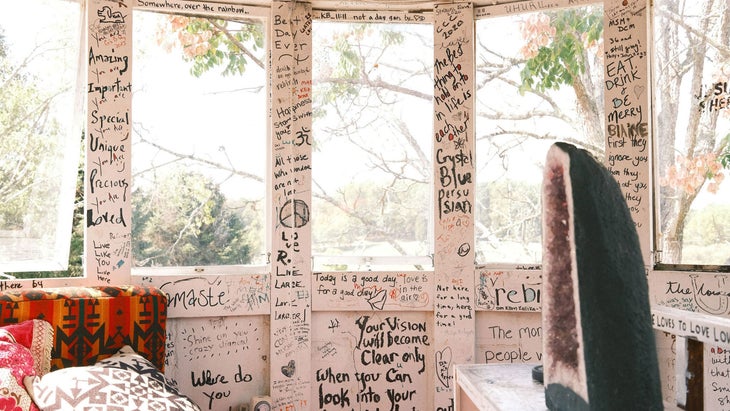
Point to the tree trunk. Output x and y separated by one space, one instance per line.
675 204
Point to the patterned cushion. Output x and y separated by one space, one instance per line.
35 335
125 381
13 396
16 362
92 323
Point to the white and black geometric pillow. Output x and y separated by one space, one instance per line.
123 382
127 359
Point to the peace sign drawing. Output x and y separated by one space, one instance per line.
294 213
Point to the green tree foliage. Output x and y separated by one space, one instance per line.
351 79
724 157
372 90
76 252
706 235
508 225
562 58
194 231
27 136
709 226
361 215
347 63
209 43
556 55
690 51
511 210
34 83
560 50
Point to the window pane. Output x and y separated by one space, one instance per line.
40 132
539 80
692 106
372 127
199 111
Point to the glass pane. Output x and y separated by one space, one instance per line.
539 80
199 143
692 108
40 132
372 127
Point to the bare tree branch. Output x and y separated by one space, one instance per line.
195 158
377 84
722 49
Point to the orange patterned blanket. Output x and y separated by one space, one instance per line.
93 323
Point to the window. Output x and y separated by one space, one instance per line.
372 127
199 141
40 133
692 109
539 80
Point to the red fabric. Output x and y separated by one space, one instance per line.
19 361
17 358
35 335
22 333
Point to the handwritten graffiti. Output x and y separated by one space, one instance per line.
381 291
108 206
709 293
294 214
625 85
387 364
510 290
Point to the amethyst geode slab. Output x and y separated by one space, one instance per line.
599 347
